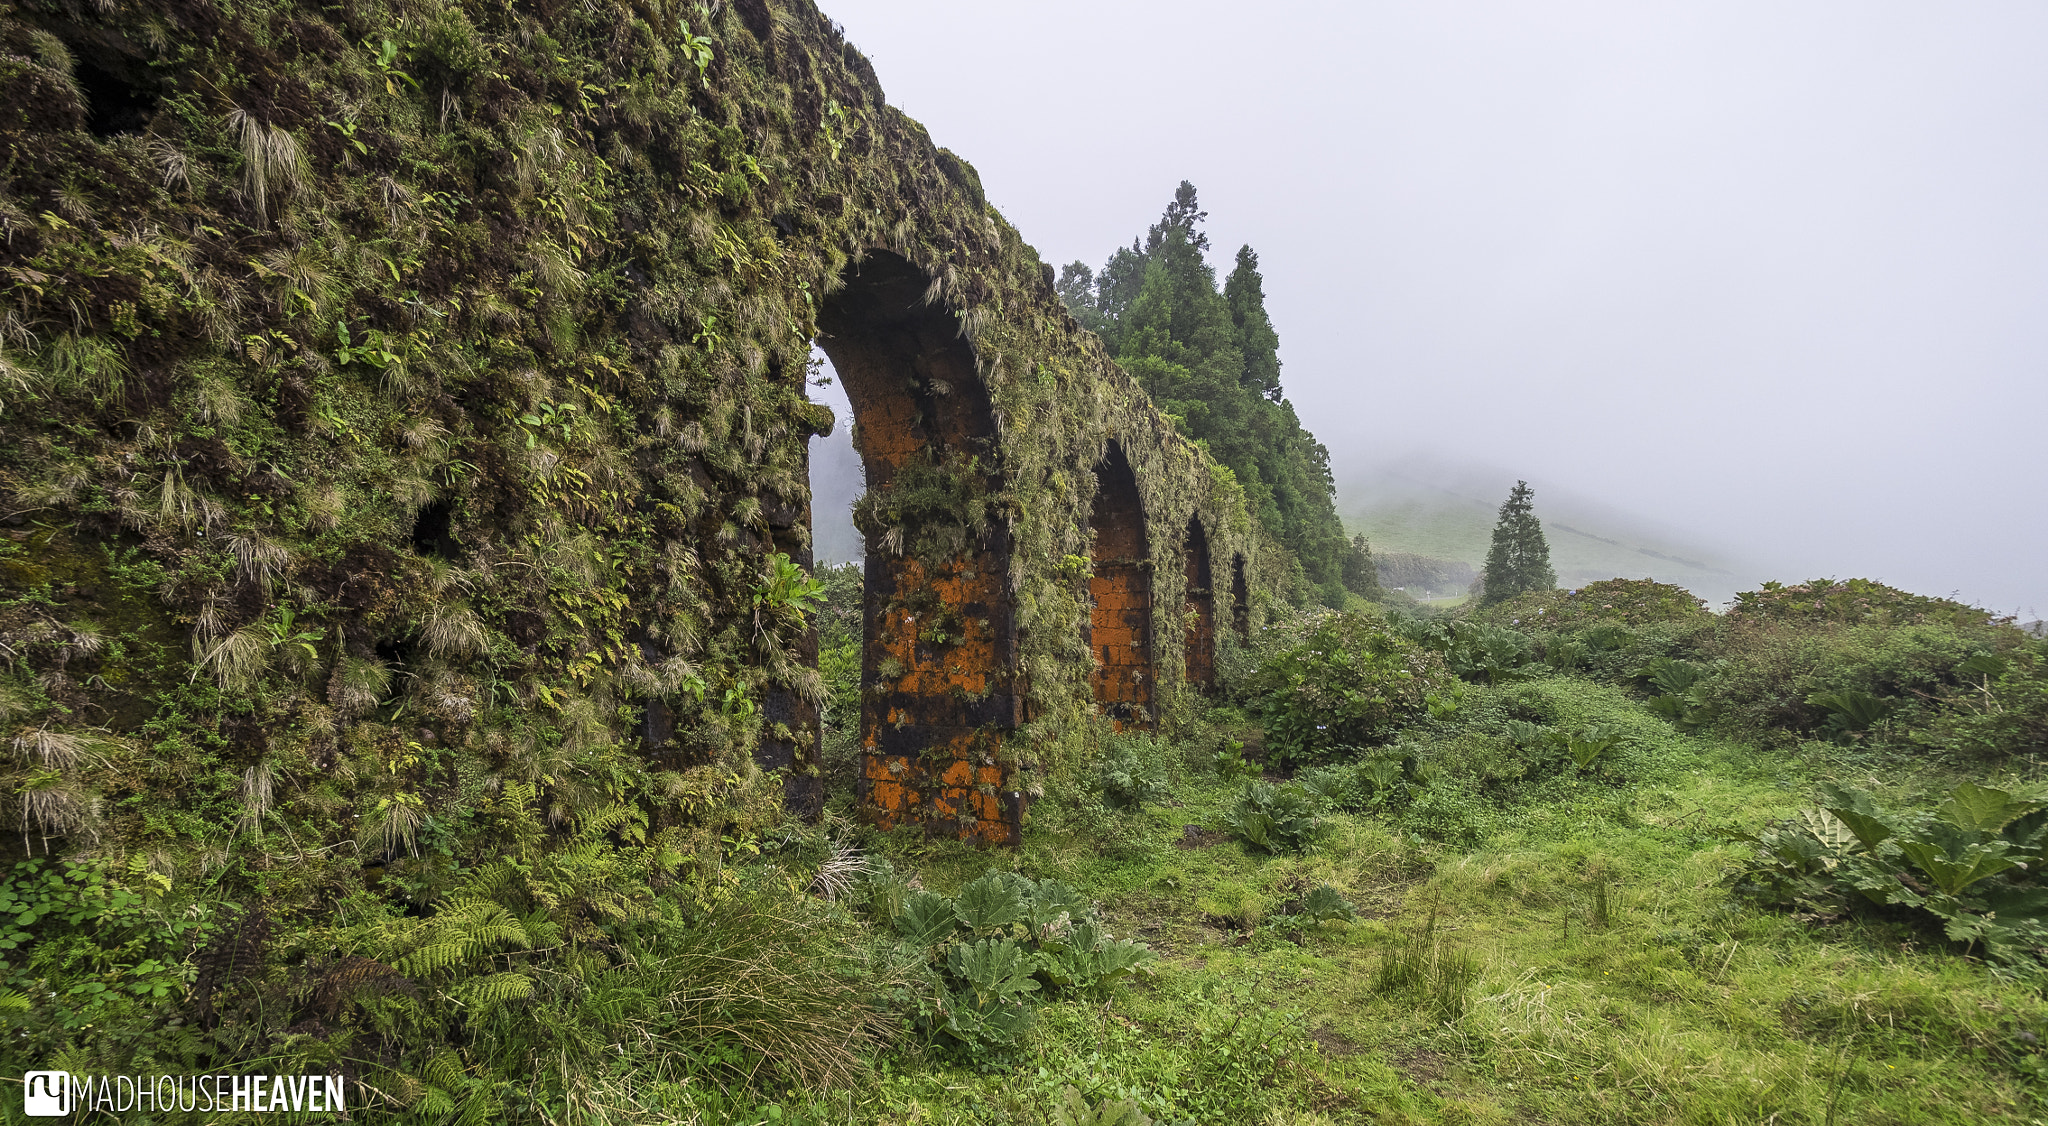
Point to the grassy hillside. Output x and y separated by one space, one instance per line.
1533 892
1449 514
1624 863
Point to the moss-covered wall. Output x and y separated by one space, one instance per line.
402 407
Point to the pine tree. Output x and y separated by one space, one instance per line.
1520 557
1210 359
1183 213
1245 292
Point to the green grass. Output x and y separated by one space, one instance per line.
1585 964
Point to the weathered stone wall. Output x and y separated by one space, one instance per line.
402 410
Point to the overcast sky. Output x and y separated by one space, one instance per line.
1775 273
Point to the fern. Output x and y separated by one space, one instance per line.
496 989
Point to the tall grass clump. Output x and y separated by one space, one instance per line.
1424 966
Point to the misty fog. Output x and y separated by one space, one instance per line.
837 479
1768 276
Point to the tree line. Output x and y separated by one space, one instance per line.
1210 358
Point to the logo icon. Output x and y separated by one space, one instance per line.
48 1094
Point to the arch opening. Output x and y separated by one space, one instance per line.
1120 622
1199 666
938 651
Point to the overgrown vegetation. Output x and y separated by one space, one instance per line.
402 525
404 632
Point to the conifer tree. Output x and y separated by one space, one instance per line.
1245 292
1520 557
1211 361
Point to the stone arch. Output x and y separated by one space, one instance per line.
1120 623
1199 666
1240 600
938 653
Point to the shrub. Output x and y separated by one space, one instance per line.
1387 778
1351 683
1275 819
1627 602
1999 708
1852 602
997 945
1474 651
1680 697
1847 680
1128 777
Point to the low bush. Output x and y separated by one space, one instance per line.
1002 942
1852 602
1475 651
1998 709
1385 779
1275 819
1973 863
1132 773
1626 602
1351 683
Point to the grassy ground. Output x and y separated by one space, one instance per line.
1585 963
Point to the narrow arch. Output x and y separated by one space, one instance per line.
1200 662
1120 623
1240 600
938 652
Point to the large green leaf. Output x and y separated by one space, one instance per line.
1827 828
1985 809
1671 677
1073 1110
1590 744
988 903
1323 904
1855 809
1854 710
995 969
1983 664
1047 901
2024 831
1953 859
1095 967
987 1024
926 919
2030 903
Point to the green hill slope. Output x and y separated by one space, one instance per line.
1448 514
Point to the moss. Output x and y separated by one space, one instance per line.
506 326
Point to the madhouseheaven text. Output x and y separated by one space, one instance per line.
208 1093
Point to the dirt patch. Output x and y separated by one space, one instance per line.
1333 1043
1423 1068
1194 836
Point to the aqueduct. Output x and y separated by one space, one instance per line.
489 383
